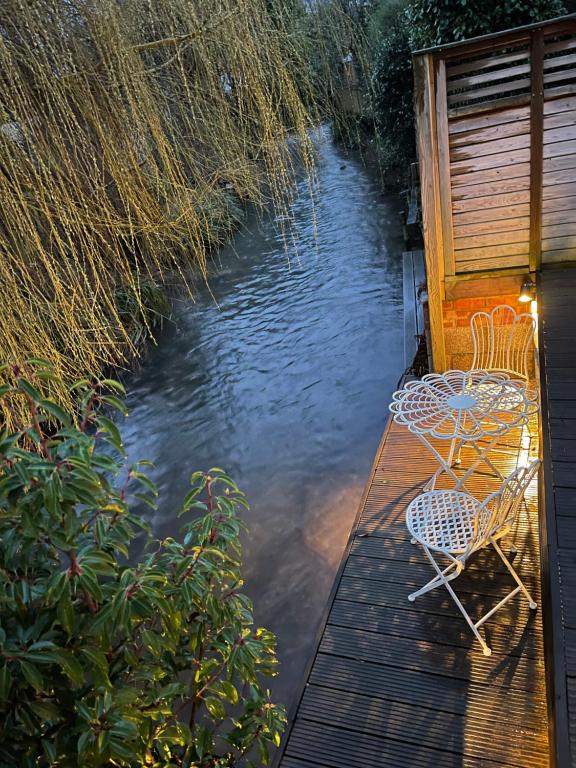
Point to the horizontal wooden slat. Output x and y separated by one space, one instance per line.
558 243
490 264
490 105
490 175
491 239
557 46
558 204
561 133
555 106
563 229
559 163
481 228
559 148
568 60
559 190
554 218
553 257
552 91
491 201
556 77
492 188
490 120
487 77
509 144
492 90
511 212
493 252
491 147
491 133
486 62
559 119
559 177
499 160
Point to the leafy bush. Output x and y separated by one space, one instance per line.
393 101
105 663
433 22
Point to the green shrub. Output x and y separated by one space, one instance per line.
432 22
393 102
104 662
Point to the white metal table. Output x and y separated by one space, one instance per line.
462 407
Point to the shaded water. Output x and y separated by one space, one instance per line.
282 376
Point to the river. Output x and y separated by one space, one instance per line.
281 373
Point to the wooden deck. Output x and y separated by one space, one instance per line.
557 306
404 685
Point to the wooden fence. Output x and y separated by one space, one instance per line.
496 122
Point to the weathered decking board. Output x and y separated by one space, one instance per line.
395 683
557 307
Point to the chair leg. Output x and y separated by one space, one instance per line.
441 578
437 581
517 579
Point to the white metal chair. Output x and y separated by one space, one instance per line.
455 525
502 340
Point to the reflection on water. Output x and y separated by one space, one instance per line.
282 376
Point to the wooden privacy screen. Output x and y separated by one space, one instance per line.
496 119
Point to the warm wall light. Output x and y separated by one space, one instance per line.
527 291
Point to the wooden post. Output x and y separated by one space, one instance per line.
536 147
444 168
425 108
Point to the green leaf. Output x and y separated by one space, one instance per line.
216 708
97 658
46 710
65 613
229 692
5 682
113 384
32 675
114 402
57 411
107 425
29 390
71 667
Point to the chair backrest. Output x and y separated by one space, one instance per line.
499 509
502 340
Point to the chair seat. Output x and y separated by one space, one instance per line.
443 520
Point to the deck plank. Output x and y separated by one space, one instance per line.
397 683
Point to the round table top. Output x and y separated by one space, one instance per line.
467 405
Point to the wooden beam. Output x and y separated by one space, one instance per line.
424 103
536 147
444 167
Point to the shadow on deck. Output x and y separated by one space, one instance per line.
395 683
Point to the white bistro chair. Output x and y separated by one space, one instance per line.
455 524
503 341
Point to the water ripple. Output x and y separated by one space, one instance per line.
285 382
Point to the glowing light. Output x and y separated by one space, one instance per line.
527 291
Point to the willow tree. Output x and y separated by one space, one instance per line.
125 130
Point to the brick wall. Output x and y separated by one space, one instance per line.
456 317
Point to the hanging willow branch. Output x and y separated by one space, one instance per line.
128 131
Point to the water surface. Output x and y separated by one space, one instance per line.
281 373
